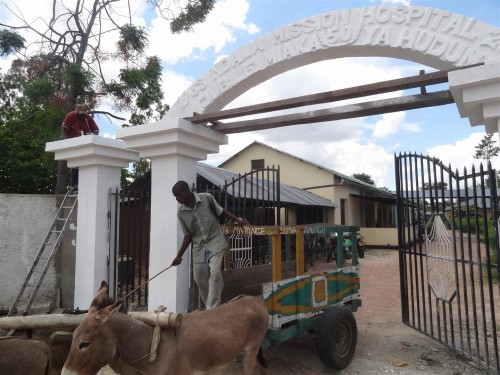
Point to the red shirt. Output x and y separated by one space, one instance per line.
75 126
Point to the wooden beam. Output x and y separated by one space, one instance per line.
60 321
46 321
423 89
339 113
417 81
213 122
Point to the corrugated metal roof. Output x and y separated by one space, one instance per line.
288 193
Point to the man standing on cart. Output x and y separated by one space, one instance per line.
199 217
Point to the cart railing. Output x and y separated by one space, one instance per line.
299 232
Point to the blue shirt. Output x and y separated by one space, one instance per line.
202 224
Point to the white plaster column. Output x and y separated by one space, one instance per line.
99 161
173 146
477 94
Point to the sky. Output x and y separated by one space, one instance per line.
363 145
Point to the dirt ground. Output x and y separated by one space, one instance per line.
385 345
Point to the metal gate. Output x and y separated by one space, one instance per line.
449 255
254 196
131 217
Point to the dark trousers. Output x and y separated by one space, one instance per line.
74 177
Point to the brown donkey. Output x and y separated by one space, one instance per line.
206 340
20 356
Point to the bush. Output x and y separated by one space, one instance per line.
480 224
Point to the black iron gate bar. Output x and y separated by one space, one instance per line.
464 318
491 175
256 189
254 196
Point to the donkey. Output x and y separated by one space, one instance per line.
205 342
20 356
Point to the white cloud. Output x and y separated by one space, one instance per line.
460 154
349 157
173 84
392 123
5 63
393 2
216 32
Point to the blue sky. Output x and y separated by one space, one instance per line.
365 145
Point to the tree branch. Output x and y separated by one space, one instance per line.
107 114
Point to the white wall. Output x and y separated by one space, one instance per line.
24 222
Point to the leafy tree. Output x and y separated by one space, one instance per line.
140 168
385 188
487 148
45 83
364 177
22 170
436 186
10 42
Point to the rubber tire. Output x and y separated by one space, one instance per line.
336 337
361 252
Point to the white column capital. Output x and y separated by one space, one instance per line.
477 94
92 150
174 136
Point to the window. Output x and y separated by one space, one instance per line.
257 164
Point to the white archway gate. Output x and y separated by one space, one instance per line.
429 36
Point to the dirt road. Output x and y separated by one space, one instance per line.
385 345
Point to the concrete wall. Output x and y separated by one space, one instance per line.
25 220
380 236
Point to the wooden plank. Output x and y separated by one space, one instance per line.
375 107
60 321
164 319
249 280
276 258
250 230
299 251
46 321
420 80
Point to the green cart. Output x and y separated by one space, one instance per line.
300 302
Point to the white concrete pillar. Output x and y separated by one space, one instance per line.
477 94
100 161
173 146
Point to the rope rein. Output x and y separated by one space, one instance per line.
144 283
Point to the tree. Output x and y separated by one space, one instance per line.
10 42
64 65
487 148
364 177
436 185
386 189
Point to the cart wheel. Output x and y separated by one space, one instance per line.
336 337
